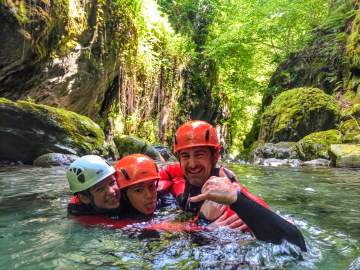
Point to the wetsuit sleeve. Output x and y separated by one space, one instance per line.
172 180
265 224
76 208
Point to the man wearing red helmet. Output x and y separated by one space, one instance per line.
197 178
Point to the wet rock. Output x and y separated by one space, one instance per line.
350 130
282 150
317 144
165 152
29 130
128 145
298 112
54 159
275 162
317 162
345 155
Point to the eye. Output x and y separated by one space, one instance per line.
138 190
99 189
112 182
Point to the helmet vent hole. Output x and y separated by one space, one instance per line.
124 172
207 135
81 178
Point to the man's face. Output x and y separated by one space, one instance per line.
106 194
196 164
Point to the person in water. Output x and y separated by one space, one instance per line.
93 183
198 148
137 176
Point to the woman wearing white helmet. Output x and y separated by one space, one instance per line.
92 180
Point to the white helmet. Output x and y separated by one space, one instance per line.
87 171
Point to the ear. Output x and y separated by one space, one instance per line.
84 199
216 157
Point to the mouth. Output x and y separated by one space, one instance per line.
151 205
194 171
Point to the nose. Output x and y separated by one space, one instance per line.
150 194
112 190
191 162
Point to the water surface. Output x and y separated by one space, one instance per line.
35 232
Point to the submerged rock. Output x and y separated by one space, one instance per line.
317 162
128 145
29 130
345 155
298 112
275 162
317 144
54 159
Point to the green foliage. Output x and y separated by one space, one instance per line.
248 39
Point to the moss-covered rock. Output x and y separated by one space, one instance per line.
297 113
345 155
350 130
128 145
28 130
351 112
317 144
353 54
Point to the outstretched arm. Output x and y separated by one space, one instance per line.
265 224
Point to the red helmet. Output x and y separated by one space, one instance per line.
134 169
196 133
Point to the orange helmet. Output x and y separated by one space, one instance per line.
196 133
134 169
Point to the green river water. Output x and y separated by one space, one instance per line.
35 232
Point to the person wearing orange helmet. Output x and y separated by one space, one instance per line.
137 176
199 186
197 145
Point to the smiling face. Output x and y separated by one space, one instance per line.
197 163
106 194
143 196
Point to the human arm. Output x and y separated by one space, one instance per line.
265 224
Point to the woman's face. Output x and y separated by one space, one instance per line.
143 196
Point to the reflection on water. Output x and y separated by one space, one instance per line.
35 232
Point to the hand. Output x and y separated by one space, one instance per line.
217 189
212 210
232 222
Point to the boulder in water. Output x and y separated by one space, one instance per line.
317 144
29 130
54 159
281 150
345 155
128 145
298 112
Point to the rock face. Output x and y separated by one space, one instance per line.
29 130
128 145
345 155
298 112
317 144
